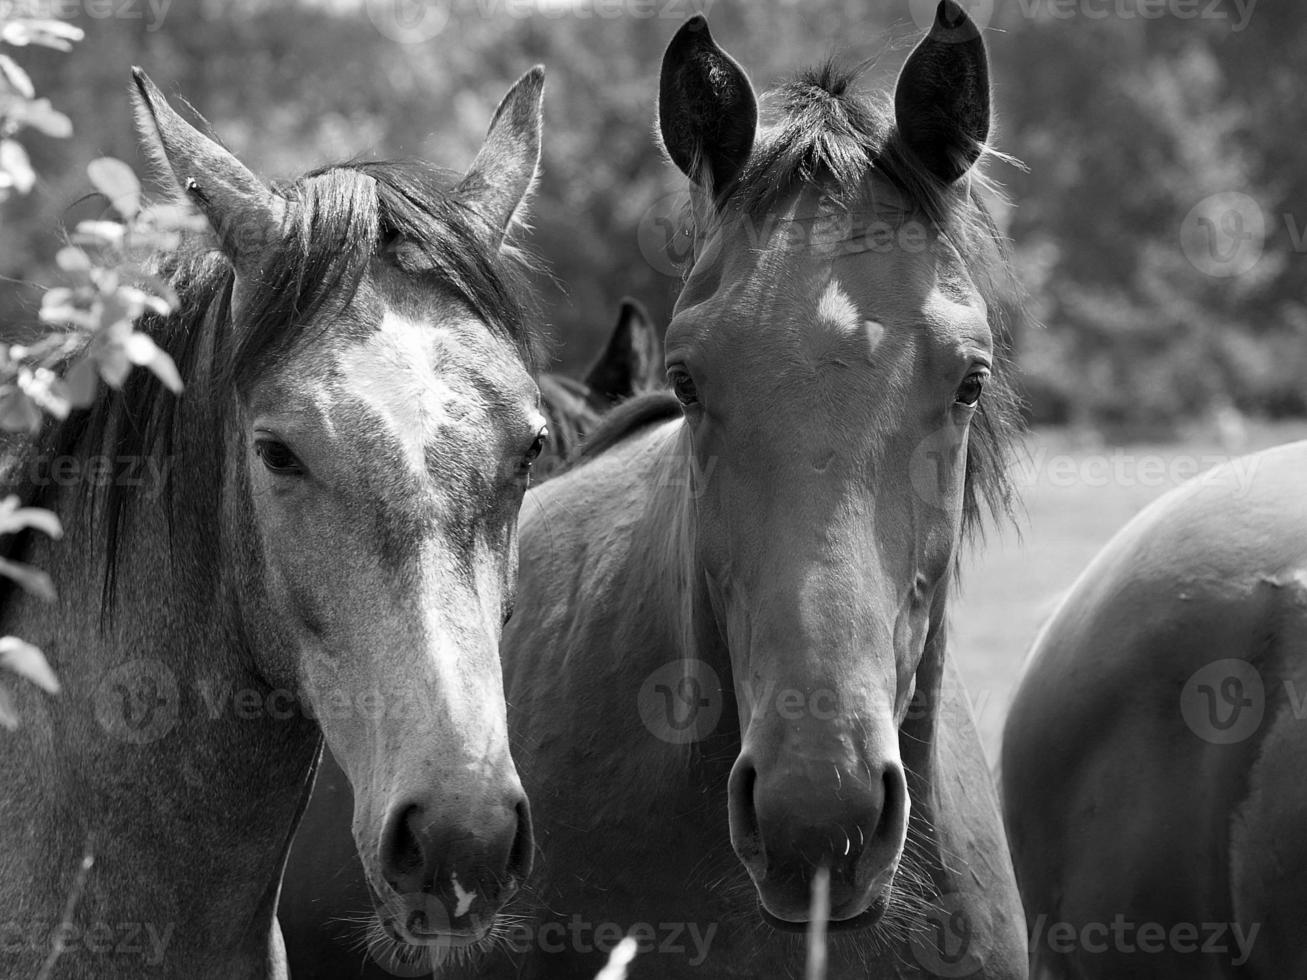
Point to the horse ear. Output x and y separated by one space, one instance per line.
505 168
707 112
941 101
243 211
629 362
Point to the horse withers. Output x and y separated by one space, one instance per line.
323 542
1152 757
727 670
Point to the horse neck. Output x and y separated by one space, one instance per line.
170 760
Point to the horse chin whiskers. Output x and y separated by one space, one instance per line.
398 955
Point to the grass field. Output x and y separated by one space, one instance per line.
1076 493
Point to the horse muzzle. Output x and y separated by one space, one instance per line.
793 818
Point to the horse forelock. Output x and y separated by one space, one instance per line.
820 130
344 217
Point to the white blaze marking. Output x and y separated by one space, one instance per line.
392 372
465 898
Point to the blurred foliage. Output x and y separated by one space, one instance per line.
1126 123
87 327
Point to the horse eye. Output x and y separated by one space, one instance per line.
277 457
972 387
537 446
683 387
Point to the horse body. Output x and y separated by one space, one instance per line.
728 665
299 562
1152 757
638 841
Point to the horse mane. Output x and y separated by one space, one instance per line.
631 416
820 129
347 215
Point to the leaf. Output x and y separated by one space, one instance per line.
72 259
18 413
14 517
55 34
28 661
14 161
32 579
82 380
145 352
17 79
113 363
116 181
41 115
99 233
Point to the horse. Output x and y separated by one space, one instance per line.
1151 760
318 539
727 671
629 364
324 885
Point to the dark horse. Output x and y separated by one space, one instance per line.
1153 757
325 544
728 667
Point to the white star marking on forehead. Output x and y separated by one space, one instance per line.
392 373
837 311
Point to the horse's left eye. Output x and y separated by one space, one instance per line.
972 387
537 446
277 458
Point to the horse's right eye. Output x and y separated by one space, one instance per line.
683 386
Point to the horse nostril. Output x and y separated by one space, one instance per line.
743 811
520 856
402 858
894 793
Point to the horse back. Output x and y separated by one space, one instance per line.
1131 776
